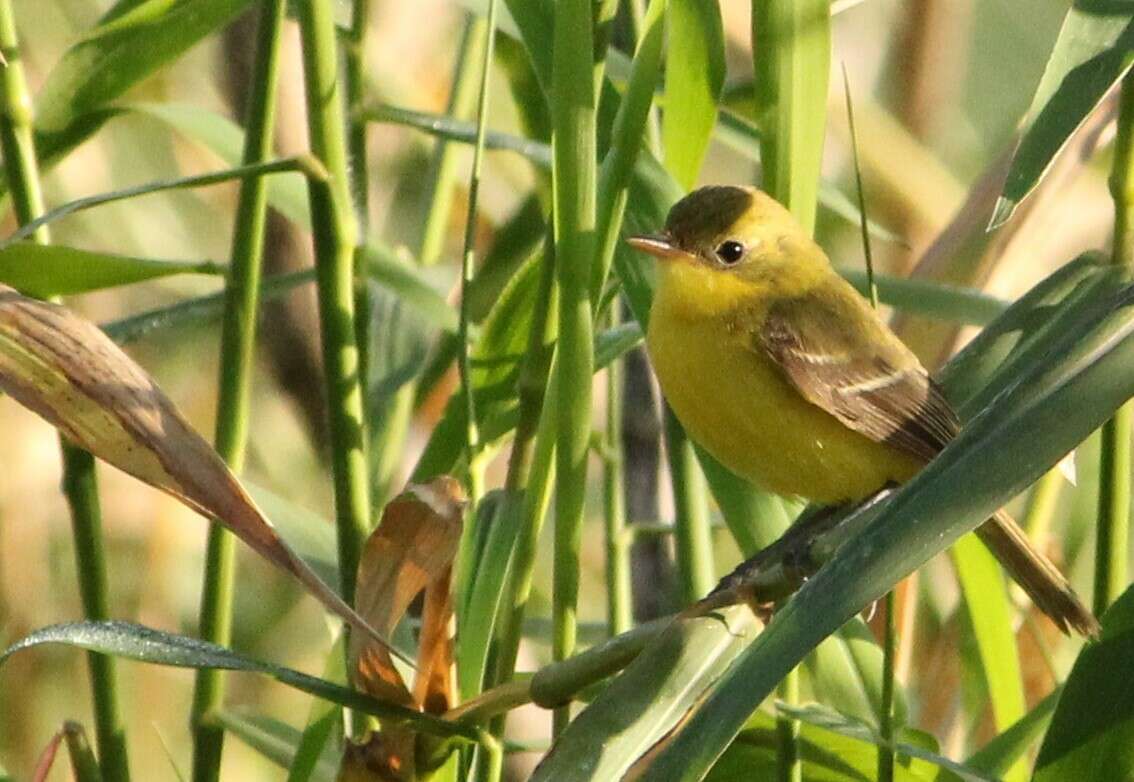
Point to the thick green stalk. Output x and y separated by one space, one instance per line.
574 180
693 540
238 333
618 596
334 232
792 54
1113 537
80 485
791 43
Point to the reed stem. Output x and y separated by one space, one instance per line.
334 231
574 182
80 482
1113 536
238 336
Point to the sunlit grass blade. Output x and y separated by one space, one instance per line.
334 232
792 50
990 613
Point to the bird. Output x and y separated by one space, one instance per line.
785 374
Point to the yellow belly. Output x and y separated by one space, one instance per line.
735 402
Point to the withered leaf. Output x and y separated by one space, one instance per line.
433 682
69 372
411 550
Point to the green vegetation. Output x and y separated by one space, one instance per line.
377 251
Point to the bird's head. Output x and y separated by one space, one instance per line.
723 227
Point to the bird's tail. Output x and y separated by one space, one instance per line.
1038 576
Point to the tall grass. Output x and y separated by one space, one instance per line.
79 482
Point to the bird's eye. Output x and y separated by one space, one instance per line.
730 251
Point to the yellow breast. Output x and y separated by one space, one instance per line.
735 402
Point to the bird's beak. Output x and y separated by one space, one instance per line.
658 245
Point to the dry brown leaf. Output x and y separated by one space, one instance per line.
69 372
433 683
411 550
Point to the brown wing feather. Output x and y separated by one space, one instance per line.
870 381
865 376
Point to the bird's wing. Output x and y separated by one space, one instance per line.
862 375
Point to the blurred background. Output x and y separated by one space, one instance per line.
939 87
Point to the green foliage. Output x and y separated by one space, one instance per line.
616 109
1091 736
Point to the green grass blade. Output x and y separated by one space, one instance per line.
998 755
321 742
986 599
693 545
45 270
1091 737
637 708
334 234
301 163
408 284
1112 537
1090 56
627 132
694 76
287 193
275 740
197 311
137 642
792 50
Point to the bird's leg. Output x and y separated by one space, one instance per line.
778 570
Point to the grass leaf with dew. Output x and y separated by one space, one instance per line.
145 644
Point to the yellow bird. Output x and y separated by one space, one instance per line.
785 374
